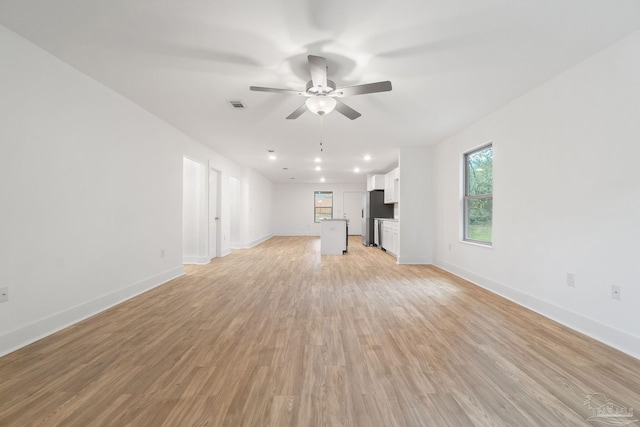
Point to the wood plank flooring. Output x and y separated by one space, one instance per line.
278 335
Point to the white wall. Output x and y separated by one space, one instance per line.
91 191
256 197
566 198
416 206
235 202
293 206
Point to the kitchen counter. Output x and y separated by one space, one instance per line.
388 237
377 229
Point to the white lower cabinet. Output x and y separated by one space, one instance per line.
390 237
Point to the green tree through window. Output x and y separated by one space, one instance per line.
478 197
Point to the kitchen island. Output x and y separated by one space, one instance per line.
334 236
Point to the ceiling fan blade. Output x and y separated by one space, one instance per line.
271 89
366 88
318 70
346 111
298 112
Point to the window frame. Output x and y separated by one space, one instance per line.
315 208
466 197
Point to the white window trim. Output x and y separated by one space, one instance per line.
463 198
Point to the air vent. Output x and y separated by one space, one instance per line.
236 105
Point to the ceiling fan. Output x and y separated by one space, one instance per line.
322 93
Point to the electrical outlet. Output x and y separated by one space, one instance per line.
571 280
616 292
4 294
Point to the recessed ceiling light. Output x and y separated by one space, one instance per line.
322 179
318 168
356 169
367 157
317 160
272 156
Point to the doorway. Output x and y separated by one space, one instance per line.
194 212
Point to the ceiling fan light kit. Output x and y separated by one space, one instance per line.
321 104
322 93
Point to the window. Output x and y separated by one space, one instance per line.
478 195
322 205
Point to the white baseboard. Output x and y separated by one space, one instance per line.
250 245
615 338
414 260
261 240
199 260
23 336
303 234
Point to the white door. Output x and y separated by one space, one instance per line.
352 207
213 213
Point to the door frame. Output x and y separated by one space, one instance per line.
214 214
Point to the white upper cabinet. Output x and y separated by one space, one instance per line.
375 182
392 186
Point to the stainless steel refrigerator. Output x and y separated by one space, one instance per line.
373 207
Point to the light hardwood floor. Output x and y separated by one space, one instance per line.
279 336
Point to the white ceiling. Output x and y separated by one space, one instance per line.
451 62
